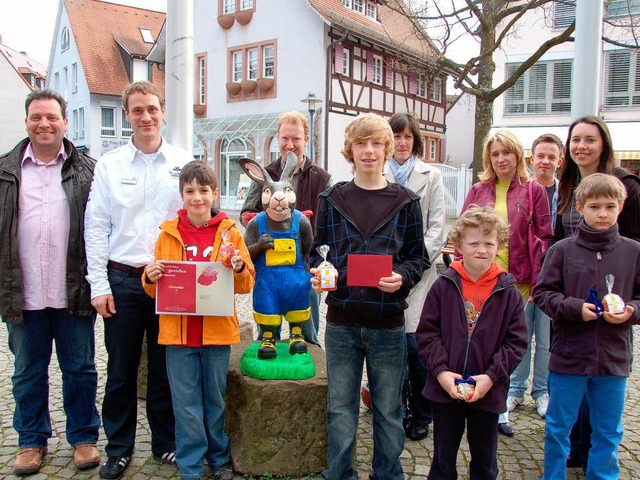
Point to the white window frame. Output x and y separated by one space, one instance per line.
56 82
433 149
435 92
346 3
81 122
358 6
202 80
623 91
246 4
252 64
268 61
75 125
237 66
421 85
563 14
126 130
74 77
65 41
228 6
377 70
346 66
371 10
107 130
544 89
147 37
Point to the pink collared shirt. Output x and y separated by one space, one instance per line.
43 232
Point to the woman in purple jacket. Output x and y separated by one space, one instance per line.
505 185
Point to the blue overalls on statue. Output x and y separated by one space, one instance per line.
282 282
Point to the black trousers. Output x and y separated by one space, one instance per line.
123 336
449 421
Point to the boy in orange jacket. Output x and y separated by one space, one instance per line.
198 347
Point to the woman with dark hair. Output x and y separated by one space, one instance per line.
407 168
506 186
588 150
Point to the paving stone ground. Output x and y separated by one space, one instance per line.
519 458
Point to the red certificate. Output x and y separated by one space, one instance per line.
195 288
367 270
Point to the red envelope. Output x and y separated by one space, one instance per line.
367 270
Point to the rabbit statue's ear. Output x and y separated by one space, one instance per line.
254 170
289 167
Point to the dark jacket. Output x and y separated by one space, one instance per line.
571 267
77 173
400 234
312 182
628 221
495 347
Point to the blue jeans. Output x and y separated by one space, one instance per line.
605 395
540 325
31 343
384 351
123 337
198 379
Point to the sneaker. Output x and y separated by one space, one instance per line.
166 457
114 468
513 402
296 341
223 472
267 347
542 403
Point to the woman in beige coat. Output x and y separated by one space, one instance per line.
408 169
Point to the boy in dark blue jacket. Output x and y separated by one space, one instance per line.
590 349
471 334
368 216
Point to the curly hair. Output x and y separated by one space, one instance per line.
484 218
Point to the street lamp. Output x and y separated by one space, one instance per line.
311 102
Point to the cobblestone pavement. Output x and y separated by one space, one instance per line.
519 458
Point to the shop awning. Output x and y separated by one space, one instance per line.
257 125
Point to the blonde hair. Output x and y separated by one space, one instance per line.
511 142
484 218
600 185
295 118
364 127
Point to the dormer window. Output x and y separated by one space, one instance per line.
369 8
64 39
146 35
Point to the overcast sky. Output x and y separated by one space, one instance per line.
28 25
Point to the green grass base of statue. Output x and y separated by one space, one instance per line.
284 367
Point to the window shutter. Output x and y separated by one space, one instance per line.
338 58
561 97
389 72
618 69
413 84
370 66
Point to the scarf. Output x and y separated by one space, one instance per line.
402 172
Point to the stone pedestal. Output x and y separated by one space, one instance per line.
277 426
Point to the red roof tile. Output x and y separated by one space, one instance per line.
393 28
95 26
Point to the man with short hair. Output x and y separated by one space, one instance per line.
135 189
546 156
309 181
44 297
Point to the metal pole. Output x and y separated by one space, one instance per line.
588 58
311 133
179 74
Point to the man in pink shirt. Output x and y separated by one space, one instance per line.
44 296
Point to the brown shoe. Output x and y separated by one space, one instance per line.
86 456
29 460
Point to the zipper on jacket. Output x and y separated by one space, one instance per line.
469 334
598 260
